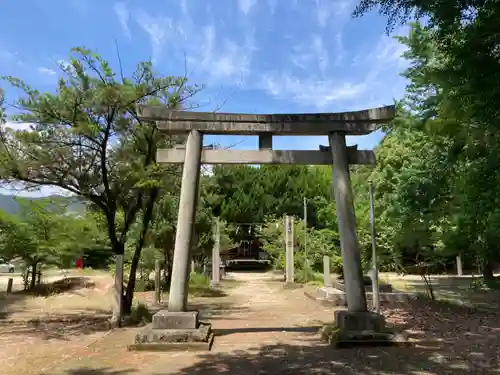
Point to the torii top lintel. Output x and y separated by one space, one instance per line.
352 123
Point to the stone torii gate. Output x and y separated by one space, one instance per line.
335 125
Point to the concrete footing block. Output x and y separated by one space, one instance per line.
171 331
360 329
165 319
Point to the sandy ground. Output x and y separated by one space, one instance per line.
263 329
260 328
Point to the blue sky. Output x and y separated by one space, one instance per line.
253 56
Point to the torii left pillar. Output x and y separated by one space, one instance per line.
178 296
171 327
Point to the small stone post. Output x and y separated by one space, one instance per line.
157 282
9 285
216 255
177 299
327 280
193 266
351 257
290 247
460 271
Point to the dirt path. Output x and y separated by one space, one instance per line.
257 313
263 329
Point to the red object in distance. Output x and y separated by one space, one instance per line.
79 263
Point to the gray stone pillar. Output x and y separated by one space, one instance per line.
327 280
265 141
289 248
460 271
157 281
216 255
117 291
351 257
178 295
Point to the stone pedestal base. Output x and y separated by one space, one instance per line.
174 331
360 328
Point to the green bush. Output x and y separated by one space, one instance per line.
481 284
304 276
144 285
198 280
140 314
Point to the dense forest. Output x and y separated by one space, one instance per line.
437 178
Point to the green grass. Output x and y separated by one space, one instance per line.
310 277
200 286
472 292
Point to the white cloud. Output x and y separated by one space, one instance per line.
214 57
328 11
340 51
123 15
386 57
273 4
224 61
10 57
47 71
246 6
372 80
312 91
184 6
158 28
312 55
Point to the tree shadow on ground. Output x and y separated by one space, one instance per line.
453 340
207 292
70 285
319 358
99 371
59 327
422 318
230 331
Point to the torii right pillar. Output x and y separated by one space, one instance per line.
357 325
344 202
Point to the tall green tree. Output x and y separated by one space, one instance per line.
41 233
458 27
86 138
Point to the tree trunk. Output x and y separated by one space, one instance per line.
33 276
167 269
488 270
146 219
168 279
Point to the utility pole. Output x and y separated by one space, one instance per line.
375 290
306 260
